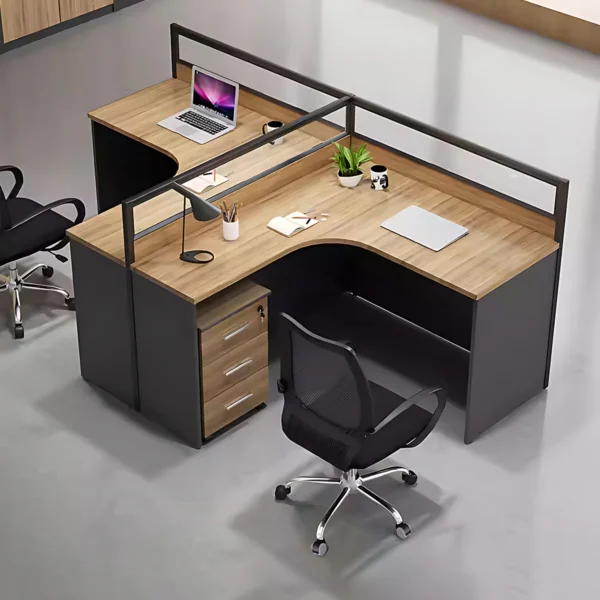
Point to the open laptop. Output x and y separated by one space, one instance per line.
214 108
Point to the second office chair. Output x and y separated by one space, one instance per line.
333 411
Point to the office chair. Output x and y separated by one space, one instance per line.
27 227
333 411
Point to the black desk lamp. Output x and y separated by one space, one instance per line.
202 211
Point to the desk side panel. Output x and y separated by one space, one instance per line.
125 167
168 360
510 345
103 322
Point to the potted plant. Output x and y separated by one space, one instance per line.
348 163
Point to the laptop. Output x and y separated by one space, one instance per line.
213 112
425 228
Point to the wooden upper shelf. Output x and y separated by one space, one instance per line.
575 22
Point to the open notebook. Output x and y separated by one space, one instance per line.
209 179
291 224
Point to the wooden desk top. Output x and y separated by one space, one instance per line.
495 250
504 239
136 116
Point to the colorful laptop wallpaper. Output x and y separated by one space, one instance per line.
215 95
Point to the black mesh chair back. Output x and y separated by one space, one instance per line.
327 399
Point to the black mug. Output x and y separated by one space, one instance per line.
272 126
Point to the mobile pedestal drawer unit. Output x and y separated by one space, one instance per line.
234 354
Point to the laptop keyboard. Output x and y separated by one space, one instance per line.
200 122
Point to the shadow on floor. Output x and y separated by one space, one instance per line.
360 535
42 312
94 415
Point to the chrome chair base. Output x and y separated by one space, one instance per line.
351 482
16 283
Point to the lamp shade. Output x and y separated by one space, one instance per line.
201 209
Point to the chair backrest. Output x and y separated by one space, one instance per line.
328 406
5 222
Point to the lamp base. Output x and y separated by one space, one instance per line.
190 257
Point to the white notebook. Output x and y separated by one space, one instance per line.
199 184
425 228
291 224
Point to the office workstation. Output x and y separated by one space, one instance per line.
157 332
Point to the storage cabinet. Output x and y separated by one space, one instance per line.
26 21
24 17
69 9
234 354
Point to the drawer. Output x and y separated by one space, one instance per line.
236 401
234 331
236 365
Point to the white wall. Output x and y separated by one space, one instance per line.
528 97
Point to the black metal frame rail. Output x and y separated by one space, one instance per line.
350 103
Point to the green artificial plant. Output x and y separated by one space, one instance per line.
349 161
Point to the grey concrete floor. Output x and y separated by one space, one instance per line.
95 503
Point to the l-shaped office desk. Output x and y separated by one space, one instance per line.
477 316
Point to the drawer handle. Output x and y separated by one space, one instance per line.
234 333
236 402
240 366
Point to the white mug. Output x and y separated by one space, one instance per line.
379 178
272 126
231 231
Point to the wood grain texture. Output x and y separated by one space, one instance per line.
495 250
253 390
132 117
464 191
575 22
234 331
69 9
23 17
228 302
235 366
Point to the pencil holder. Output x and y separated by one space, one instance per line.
231 231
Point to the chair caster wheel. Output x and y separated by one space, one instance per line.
410 478
19 332
282 492
47 272
320 547
402 531
70 303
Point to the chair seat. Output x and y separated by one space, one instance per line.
396 434
40 233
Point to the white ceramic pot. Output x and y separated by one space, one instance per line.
231 231
351 181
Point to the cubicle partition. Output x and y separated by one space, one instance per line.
494 326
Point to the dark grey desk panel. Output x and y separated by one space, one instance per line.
168 360
103 327
510 345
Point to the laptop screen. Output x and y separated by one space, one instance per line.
214 95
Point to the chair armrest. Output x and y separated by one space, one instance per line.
78 204
415 399
18 175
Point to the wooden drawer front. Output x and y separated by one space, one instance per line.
236 365
233 332
236 401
